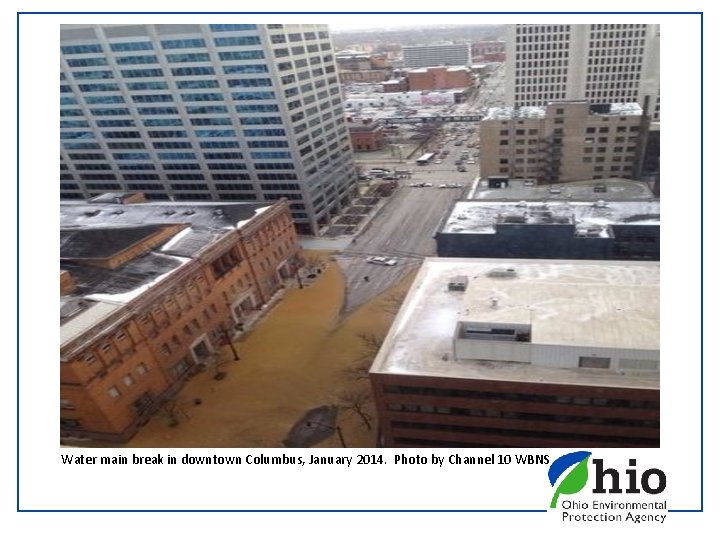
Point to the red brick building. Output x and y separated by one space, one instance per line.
366 135
488 51
149 292
439 78
395 85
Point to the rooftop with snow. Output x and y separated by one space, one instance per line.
482 217
116 252
556 309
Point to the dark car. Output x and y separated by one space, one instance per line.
461 169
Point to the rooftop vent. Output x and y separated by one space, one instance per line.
458 283
502 273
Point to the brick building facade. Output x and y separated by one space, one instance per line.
149 292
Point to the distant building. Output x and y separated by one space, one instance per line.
360 100
488 51
366 135
601 230
372 76
600 63
149 292
519 353
563 141
439 78
395 85
450 54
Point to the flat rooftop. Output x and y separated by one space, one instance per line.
482 217
99 230
611 109
597 304
583 190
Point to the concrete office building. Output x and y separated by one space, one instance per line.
444 54
149 291
563 141
602 63
192 112
519 353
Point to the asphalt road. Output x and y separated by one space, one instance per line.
403 229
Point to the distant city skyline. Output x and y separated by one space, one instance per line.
357 27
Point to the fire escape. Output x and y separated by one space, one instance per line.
549 159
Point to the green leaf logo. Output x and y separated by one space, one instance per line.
575 479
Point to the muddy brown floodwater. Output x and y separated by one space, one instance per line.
294 360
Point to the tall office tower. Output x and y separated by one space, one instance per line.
191 112
602 63
446 54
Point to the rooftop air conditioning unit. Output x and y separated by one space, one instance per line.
458 283
502 273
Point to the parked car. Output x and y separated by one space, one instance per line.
438 161
427 184
470 162
458 143
382 261
461 169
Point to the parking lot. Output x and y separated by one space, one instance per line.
403 229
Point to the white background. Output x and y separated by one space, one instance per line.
46 484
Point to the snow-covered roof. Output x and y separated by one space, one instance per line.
482 217
569 304
100 292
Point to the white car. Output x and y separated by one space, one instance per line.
471 162
383 261
438 161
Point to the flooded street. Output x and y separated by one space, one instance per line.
296 359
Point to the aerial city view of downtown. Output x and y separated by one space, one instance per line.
301 235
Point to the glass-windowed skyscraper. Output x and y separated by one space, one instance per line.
218 112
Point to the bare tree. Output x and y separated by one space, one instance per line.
356 401
392 302
358 370
371 345
313 261
174 411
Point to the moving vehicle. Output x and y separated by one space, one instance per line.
382 261
425 158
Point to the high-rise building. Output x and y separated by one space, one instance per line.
444 54
192 112
602 63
